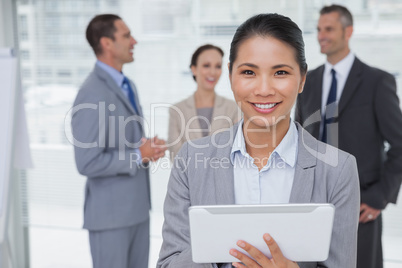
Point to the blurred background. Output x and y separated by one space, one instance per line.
54 59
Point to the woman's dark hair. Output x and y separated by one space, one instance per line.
270 25
201 49
101 26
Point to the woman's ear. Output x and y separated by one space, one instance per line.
302 82
193 69
230 74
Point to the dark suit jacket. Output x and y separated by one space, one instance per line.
368 115
117 192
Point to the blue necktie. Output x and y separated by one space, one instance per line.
131 97
330 109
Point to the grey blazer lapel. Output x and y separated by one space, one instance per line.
303 182
190 114
224 178
352 83
114 87
219 109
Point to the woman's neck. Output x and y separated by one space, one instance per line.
204 98
261 142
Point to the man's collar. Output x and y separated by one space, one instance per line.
115 74
342 67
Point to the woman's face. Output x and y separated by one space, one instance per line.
208 69
265 81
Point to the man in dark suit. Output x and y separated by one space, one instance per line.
355 107
111 150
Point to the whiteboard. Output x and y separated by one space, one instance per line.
8 71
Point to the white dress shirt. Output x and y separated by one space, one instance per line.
342 70
273 183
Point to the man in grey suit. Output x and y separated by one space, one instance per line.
111 150
355 107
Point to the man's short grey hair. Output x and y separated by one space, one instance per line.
345 16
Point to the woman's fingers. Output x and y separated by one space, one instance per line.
259 258
276 252
248 262
277 257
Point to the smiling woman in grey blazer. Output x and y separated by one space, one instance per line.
204 112
266 158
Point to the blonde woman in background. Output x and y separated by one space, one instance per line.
204 113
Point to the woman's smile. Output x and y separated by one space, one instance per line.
265 107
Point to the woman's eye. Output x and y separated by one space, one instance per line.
248 72
281 73
206 65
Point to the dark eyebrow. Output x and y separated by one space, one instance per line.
256 67
281 66
248 65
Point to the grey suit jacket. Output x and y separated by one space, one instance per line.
106 130
369 115
204 176
183 120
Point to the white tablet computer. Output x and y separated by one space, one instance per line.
302 231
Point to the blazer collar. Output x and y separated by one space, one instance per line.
191 109
218 109
224 176
302 188
303 182
190 102
111 84
352 83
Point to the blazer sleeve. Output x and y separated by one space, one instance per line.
176 249
389 119
345 196
94 156
176 131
